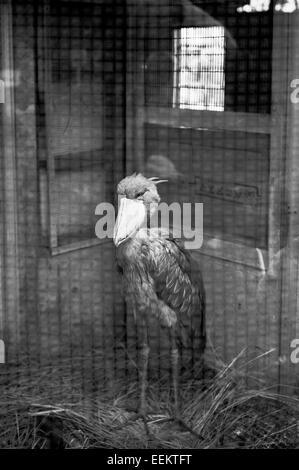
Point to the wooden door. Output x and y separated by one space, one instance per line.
231 159
80 158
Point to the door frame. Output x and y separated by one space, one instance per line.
289 259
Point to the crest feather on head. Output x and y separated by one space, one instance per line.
136 183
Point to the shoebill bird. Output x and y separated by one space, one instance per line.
160 278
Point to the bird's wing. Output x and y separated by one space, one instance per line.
178 284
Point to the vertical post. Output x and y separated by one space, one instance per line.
135 110
290 285
277 138
44 93
10 308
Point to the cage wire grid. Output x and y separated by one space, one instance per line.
182 91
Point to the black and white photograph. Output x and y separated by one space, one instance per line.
149 227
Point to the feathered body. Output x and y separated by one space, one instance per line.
162 280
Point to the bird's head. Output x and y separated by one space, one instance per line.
138 200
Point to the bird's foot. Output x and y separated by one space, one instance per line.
135 416
141 414
177 418
180 421
158 420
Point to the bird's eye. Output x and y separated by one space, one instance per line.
139 195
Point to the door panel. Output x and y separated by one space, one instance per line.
227 171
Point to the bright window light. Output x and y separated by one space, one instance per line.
199 80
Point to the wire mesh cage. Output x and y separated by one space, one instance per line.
194 95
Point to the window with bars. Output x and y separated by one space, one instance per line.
199 78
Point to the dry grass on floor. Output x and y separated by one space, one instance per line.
46 407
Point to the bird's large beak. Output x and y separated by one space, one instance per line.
131 216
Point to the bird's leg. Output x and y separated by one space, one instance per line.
144 370
175 379
144 373
175 373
